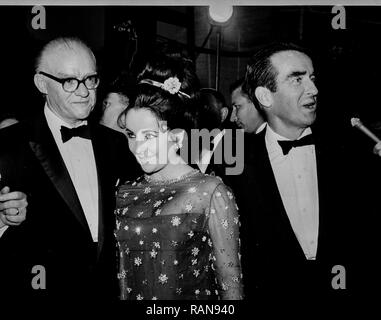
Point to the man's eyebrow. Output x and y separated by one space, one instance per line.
296 74
65 75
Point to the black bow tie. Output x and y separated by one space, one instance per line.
287 145
81 131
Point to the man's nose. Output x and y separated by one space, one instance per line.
311 88
82 91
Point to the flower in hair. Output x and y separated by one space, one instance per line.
172 85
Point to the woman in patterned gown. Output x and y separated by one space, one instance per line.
177 228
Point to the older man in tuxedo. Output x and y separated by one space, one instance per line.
69 167
295 207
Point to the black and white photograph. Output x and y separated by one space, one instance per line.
214 150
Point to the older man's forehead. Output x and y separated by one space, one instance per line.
58 57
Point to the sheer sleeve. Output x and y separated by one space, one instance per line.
224 232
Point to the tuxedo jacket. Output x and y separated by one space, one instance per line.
224 158
271 255
55 234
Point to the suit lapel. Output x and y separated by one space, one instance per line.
218 163
266 179
217 155
323 190
44 147
100 163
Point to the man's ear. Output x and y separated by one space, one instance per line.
40 83
264 96
224 113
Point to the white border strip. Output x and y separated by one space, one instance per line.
190 3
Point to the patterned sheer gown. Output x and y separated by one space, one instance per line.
178 240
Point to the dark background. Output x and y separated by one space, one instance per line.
347 62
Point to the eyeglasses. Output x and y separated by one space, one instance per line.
72 84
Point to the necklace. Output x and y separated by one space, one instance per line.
170 181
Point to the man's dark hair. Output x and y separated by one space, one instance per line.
210 104
260 72
125 85
240 84
236 84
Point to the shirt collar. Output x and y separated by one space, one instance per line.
272 139
55 122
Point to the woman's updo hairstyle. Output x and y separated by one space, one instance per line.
167 87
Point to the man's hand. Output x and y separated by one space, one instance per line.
12 207
377 149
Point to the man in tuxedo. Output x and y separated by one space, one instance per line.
217 157
295 207
212 115
69 168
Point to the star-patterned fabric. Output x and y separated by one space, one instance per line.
178 240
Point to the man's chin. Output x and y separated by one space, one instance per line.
83 115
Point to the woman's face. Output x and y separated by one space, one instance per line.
148 139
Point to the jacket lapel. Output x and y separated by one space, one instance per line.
44 147
324 187
217 155
100 163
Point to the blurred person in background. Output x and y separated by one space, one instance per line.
244 113
117 98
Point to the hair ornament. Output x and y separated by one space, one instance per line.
171 85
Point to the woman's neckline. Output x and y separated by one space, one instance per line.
184 176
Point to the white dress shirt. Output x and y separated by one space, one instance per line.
206 155
78 156
296 177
